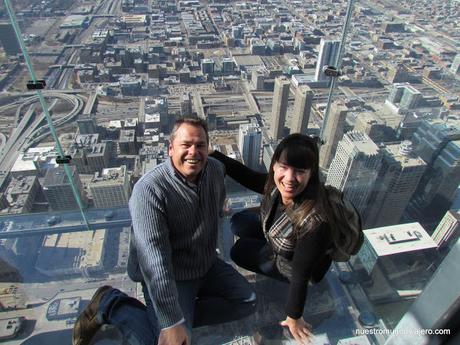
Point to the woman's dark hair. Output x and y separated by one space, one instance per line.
299 151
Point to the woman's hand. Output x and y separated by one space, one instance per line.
300 330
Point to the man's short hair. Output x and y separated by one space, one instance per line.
196 122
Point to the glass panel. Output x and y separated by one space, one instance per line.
118 74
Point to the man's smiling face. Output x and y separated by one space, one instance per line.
189 151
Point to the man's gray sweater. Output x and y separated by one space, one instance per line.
174 232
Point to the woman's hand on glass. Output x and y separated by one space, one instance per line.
300 330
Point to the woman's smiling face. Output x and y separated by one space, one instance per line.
289 180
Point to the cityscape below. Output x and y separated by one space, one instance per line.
376 82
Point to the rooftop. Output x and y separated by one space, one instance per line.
57 176
401 238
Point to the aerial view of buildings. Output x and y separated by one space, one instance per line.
90 91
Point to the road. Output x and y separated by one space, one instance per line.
27 134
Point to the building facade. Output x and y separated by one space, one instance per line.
397 180
328 54
279 107
250 143
58 190
354 169
333 132
302 109
111 188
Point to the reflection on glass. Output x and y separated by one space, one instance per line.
118 73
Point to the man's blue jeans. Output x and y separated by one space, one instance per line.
222 295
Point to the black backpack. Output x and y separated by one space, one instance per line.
345 223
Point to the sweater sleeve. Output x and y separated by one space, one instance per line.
245 176
309 254
151 236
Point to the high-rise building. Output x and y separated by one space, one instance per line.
396 182
302 108
58 190
21 195
372 125
328 54
436 308
354 168
186 104
267 154
8 38
88 154
397 92
411 98
455 67
405 96
257 79
332 133
279 107
237 31
128 142
447 232
87 125
227 65
249 143
437 142
158 106
394 258
207 66
111 188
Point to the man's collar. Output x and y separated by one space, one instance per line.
172 169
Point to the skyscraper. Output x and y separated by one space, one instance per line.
396 92
8 38
227 65
411 98
58 190
354 168
111 188
249 143
397 180
447 232
437 142
207 66
279 107
455 67
328 53
186 104
87 125
302 109
405 96
333 132
435 308
371 124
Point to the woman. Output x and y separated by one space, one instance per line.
291 239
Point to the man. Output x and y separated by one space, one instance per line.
175 210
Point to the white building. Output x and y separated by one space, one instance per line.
249 144
328 53
447 232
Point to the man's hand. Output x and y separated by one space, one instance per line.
300 330
176 335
